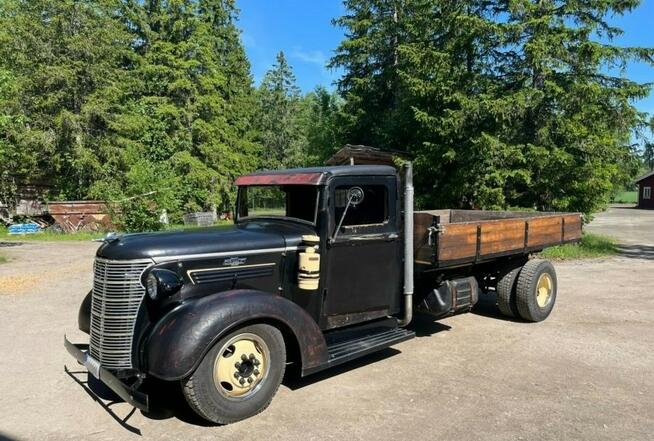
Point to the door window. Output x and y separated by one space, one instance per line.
371 211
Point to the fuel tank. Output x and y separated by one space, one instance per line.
451 297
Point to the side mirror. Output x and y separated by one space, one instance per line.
354 197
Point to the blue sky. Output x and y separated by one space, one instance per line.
300 28
303 30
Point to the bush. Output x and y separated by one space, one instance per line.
138 202
139 215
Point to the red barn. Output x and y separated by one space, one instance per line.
645 185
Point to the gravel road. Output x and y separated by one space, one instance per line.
586 373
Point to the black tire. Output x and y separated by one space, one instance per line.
505 290
208 401
527 299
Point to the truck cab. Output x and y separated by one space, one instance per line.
360 273
318 269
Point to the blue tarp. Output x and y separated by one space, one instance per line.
24 229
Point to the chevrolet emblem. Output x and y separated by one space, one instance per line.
234 261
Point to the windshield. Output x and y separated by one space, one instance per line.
275 201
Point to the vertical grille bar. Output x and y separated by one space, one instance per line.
115 302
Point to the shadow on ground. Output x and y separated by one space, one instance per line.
104 397
7 245
167 400
294 382
487 307
425 325
636 251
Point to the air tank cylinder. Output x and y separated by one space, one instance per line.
309 264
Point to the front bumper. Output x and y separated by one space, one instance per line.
128 393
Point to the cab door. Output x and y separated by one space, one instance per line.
364 257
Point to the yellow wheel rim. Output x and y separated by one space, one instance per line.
544 290
241 366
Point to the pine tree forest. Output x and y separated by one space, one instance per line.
500 104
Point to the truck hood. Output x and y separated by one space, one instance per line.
247 236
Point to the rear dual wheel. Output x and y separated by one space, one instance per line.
239 376
505 291
528 292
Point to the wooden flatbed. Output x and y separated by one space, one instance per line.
449 238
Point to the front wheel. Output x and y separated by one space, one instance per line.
239 376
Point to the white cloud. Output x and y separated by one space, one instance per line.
313 57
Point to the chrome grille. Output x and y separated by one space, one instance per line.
117 296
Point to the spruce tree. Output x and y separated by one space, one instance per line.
187 107
502 103
451 92
369 55
572 105
59 61
648 155
322 124
417 80
280 117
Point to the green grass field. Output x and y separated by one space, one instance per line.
626 197
591 245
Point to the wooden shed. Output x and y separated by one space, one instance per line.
645 185
364 155
74 216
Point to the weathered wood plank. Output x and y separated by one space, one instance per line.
544 231
572 227
500 233
459 241
502 236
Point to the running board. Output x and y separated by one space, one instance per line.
344 351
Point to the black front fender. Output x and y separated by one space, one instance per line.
179 340
84 314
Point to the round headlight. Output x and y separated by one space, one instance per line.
152 285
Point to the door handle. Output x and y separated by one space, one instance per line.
392 237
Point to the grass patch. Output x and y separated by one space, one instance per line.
51 236
591 245
625 197
218 223
3 259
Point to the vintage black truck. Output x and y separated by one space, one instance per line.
319 268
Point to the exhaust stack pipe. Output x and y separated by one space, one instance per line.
408 246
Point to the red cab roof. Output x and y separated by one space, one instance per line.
312 176
280 179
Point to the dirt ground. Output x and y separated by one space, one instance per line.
585 373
